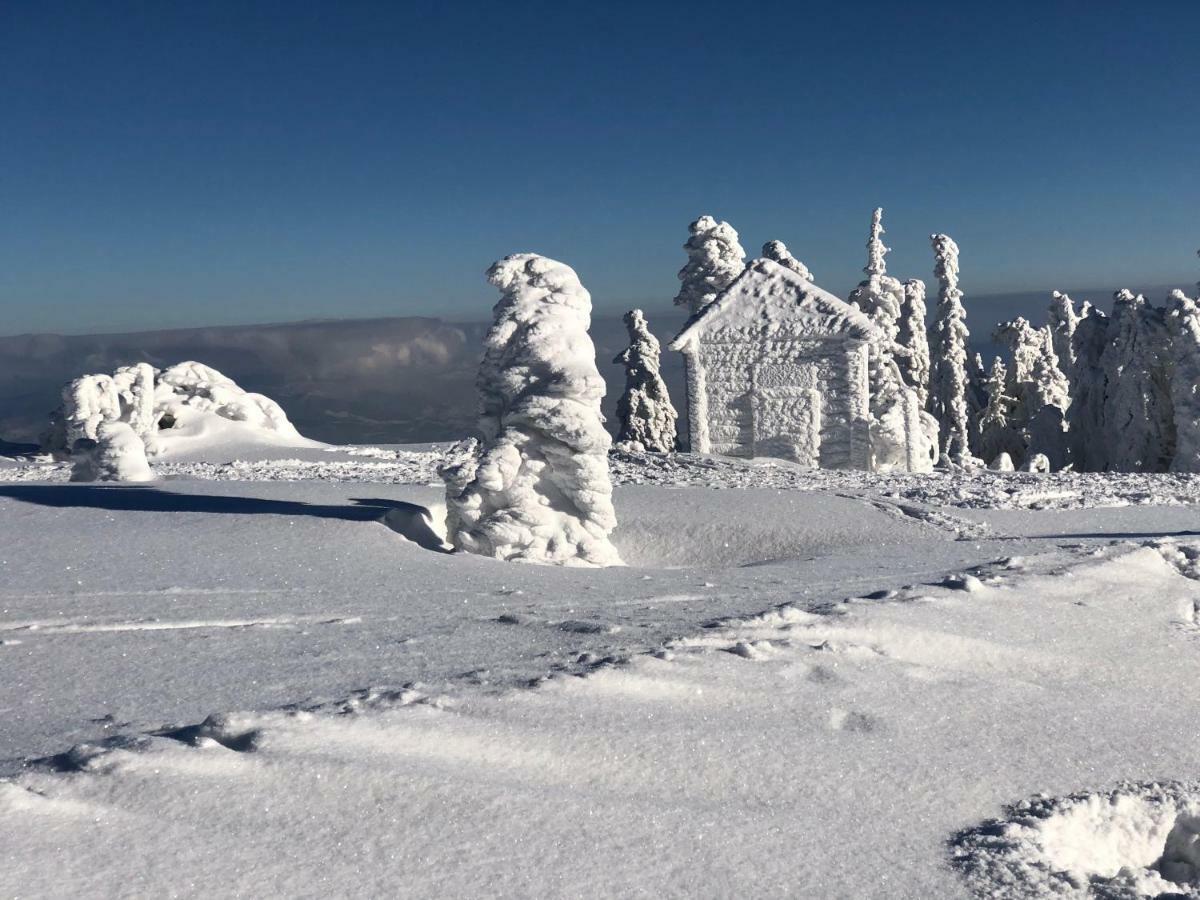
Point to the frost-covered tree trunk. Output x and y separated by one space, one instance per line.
915 340
1087 436
135 387
87 402
116 454
778 252
715 259
948 388
537 489
1138 418
1183 319
645 412
896 440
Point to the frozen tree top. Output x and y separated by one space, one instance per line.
945 265
876 251
769 299
777 251
715 258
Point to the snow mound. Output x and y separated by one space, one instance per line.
1137 840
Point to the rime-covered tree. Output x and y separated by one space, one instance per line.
898 438
1087 436
1183 320
1039 388
777 251
715 259
537 489
647 418
1063 321
997 434
948 347
88 401
914 365
1138 416
977 401
117 453
135 388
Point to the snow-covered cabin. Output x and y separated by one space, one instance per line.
777 366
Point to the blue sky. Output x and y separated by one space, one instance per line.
170 164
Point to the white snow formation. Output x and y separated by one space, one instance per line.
537 489
777 251
1063 322
948 387
715 259
188 406
647 418
116 454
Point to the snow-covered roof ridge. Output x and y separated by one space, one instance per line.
767 296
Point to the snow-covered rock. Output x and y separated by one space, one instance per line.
537 489
647 418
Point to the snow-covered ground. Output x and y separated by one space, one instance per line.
275 682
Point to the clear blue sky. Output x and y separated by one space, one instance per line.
191 163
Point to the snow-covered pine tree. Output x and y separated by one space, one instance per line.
647 418
948 348
715 259
88 401
538 488
1086 437
777 251
135 388
895 442
996 432
977 401
1183 319
1138 419
915 340
1063 321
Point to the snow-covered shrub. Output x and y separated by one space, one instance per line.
1138 417
914 365
116 454
715 259
948 386
647 418
1087 436
1183 318
777 251
537 489
1037 462
87 402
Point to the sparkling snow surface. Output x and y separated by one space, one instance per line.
811 684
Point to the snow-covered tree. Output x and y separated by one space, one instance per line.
645 412
537 489
948 386
1138 419
997 435
715 259
879 295
977 401
778 252
1183 319
914 365
1063 321
898 435
135 388
1040 390
1087 436
88 401
115 454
